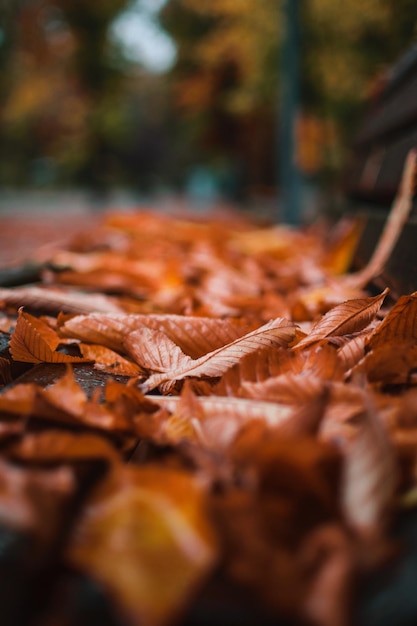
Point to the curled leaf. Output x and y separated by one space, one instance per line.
348 317
33 341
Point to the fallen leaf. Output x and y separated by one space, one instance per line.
144 536
33 341
5 371
33 501
58 447
399 325
328 556
349 317
214 422
391 364
370 476
18 400
109 360
341 247
54 300
194 335
159 354
352 351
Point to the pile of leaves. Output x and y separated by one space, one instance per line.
191 405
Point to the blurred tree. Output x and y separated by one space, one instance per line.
347 45
99 75
227 82
63 100
73 109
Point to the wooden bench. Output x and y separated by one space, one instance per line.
387 133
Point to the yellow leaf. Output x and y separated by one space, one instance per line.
145 537
339 255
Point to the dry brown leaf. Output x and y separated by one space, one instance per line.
34 501
342 415
370 476
108 271
400 325
272 461
18 400
65 402
185 423
194 335
33 341
5 371
309 303
391 364
292 389
109 360
128 398
58 447
310 467
54 300
301 377
214 422
156 352
351 353
341 247
346 318
105 281
246 409
256 367
145 537
328 558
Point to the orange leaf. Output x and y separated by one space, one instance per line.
145 538
214 422
18 400
65 401
339 253
369 475
34 501
391 363
161 355
33 341
348 317
109 360
294 389
58 446
5 372
55 300
352 351
398 326
194 335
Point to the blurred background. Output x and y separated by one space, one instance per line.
241 101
